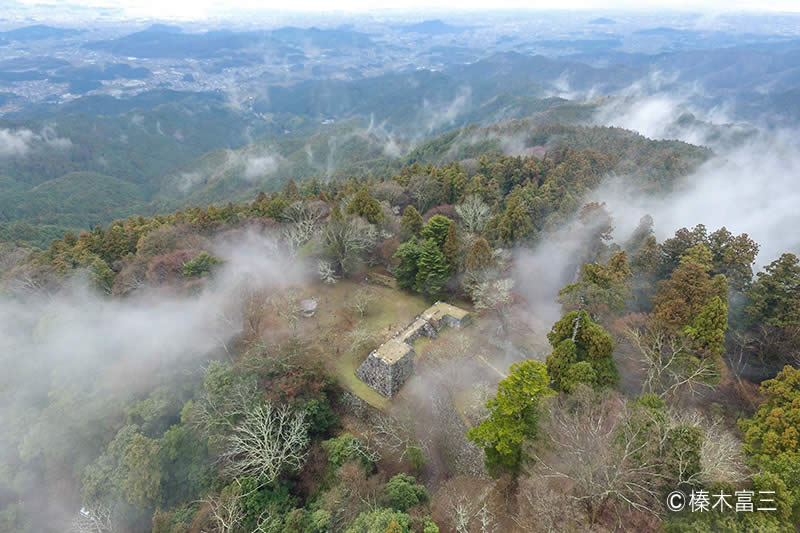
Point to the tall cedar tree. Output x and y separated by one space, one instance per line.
644 267
591 344
603 289
689 289
479 256
708 328
366 206
514 226
450 247
290 191
411 222
730 255
598 224
432 269
774 299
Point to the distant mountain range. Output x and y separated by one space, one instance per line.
84 162
37 32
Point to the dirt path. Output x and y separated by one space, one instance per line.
490 365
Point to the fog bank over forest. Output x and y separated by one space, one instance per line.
752 188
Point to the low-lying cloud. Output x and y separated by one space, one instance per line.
85 354
78 325
542 271
15 143
18 143
437 116
659 109
251 164
260 166
751 189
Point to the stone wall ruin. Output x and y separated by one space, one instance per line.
387 367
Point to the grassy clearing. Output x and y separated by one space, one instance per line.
344 368
341 340
335 331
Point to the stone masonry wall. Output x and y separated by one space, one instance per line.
383 377
386 374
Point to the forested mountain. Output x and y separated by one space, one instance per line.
393 274
171 140
159 166
165 453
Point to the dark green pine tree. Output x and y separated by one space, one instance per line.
436 229
406 271
432 269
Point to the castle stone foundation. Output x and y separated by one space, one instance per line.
387 367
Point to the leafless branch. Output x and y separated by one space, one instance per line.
664 357
266 442
302 218
97 519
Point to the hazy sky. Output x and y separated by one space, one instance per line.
202 8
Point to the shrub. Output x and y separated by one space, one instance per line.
403 492
202 264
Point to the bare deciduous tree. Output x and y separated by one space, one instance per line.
542 507
463 502
390 191
131 278
229 318
607 461
302 219
362 448
347 241
216 414
462 513
494 295
326 272
767 342
97 519
361 300
286 305
667 362
266 442
392 433
270 521
362 340
425 190
474 213
737 358
226 510
721 458
254 305
486 519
